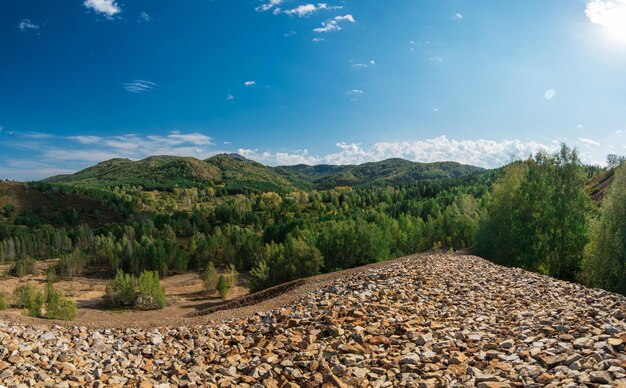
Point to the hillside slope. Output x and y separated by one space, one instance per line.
165 172
431 320
32 206
155 171
241 174
392 172
238 174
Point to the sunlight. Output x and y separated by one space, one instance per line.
609 14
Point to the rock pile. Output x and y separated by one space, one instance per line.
429 321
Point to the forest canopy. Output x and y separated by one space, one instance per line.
536 214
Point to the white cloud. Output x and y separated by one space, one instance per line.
36 135
354 92
230 97
27 170
306 10
589 142
334 24
458 16
290 33
363 65
80 155
176 138
26 24
132 146
611 14
436 110
145 16
434 59
549 94
138 86
249 83
269 5
107 7
317 40
482 153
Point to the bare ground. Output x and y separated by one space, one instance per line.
185 296
187 304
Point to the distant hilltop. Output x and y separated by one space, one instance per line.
237 173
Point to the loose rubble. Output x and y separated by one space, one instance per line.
428 321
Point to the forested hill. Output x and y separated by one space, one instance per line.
238 174
390 172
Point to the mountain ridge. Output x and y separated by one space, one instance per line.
238 173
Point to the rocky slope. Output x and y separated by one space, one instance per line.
429 320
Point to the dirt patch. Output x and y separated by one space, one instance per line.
205 311
185 296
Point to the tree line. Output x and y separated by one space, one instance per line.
533 214
538 216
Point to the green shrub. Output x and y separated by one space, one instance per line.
9 209
259 277
209 277
4 304
121 290
52 296
231 275
25 266
58 306
222 286
27 296
151 293
51 275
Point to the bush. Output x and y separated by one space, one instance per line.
3 302
25 266
121 290
51 275
222 286
64 309
151 293
9 209
52 296
210 277
259 277
231 275
27 296
58 306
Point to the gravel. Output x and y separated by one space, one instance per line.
431 320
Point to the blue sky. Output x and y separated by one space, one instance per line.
284 82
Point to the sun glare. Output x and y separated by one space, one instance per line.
611 14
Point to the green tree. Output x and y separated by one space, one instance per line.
231 275
222 286
259 276
27 296
9 210
4 304
151 293
24 266
58 306
604 263
120 291
210 277
537 216
71 264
